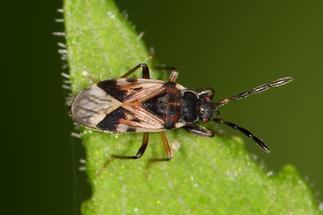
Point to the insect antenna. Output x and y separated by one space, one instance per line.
256 90
259 142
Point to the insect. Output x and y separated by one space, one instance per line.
146 105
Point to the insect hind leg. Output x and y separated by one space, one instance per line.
167 149
143 66
139 153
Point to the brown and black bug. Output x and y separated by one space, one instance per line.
146 105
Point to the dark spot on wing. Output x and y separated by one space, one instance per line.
130 129
111 121
111 88
137 88
156 105
135 119
166 105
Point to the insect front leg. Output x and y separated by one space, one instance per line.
145 71
139 153
199 130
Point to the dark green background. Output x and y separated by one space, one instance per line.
228 45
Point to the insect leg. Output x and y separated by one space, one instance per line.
167 149
139 153
143 66
260 143
173 72
199 130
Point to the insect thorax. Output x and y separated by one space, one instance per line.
189 107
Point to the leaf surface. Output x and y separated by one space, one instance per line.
205 176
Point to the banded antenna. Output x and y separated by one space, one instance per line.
256 90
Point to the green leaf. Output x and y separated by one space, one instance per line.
206 175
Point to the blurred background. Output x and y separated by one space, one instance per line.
230 46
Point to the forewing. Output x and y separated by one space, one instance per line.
92 105
130 90
131 118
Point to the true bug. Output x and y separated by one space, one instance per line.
146 105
